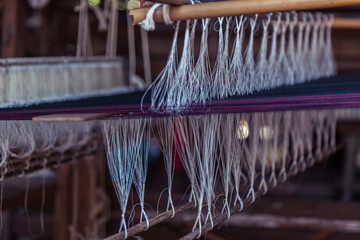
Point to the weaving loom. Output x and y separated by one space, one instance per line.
249 97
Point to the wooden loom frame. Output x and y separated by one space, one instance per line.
344 23
236 8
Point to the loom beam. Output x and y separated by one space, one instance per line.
236 8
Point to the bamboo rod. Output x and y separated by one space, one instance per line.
71 117
218 219
132 231
236 8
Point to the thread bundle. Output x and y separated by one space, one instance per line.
228 158
38 80
294 48
21 139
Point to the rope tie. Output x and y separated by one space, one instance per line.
148 23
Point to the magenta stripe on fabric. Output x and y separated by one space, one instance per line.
351 100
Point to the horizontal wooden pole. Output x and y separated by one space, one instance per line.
132 231
71 117
236 8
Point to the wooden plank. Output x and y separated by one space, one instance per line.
72 117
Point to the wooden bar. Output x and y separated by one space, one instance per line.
236 8
132 231
63 203
71 117
75 193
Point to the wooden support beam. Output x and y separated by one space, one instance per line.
62 203
132 231
12 29
45 31
73 117
75 201
236 8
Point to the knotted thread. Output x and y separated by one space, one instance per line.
148 23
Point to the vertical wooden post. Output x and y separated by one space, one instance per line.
44 31
84 187
351 148
63 198
12 30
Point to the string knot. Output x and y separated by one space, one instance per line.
148 23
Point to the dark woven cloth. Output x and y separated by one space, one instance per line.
337 92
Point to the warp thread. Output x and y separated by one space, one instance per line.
228 158
300 51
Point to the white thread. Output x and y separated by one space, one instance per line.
249 58
261 73
218 71
199 82
166 14
237 63
148 23
288 61
161 86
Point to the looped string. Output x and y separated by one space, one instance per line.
166 14
148 23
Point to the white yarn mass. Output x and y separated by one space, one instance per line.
21 139
293 48
26 81
229 159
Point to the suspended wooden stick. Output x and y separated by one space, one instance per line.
218 219
72 117
236 8
132 231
